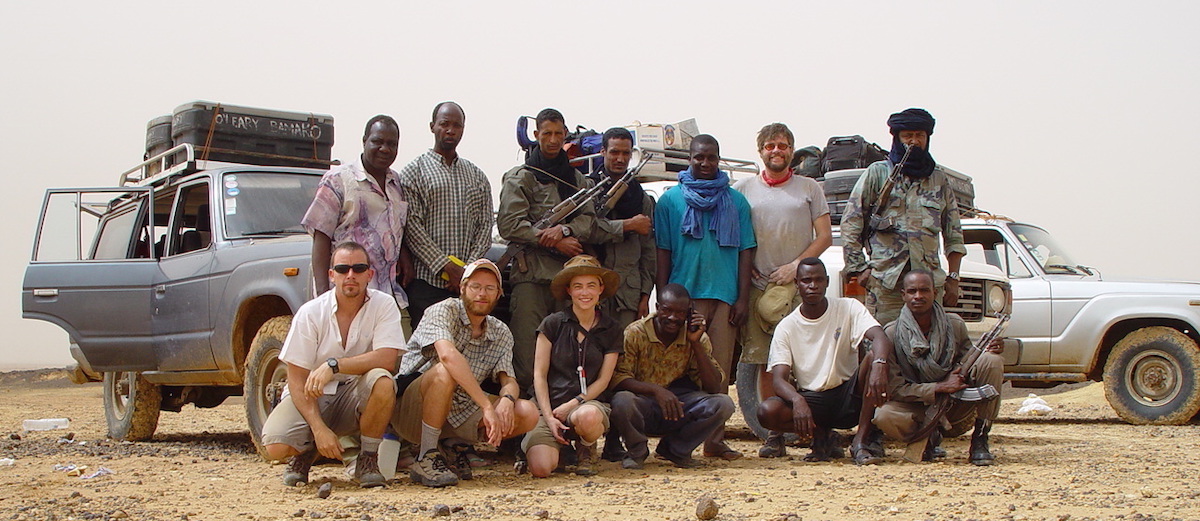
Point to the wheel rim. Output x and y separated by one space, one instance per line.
122 393
1152 378
273 380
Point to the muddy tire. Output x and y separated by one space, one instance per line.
749 397
1151 377
131 406
266 376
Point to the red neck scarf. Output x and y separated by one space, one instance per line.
773 183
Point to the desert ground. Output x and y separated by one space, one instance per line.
1079 462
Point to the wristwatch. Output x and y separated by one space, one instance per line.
580 399
566 231
954 275
333 364
879 361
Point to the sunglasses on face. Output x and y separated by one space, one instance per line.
345 268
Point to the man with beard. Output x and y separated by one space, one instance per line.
449 214
921 206
705 241
456 347
363 201
929 343
817 347
337 387
527 193
791 222
668 384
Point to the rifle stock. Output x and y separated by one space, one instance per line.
942 403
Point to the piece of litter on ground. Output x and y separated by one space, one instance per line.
46 424
102 471
64 468
7 462
1034 405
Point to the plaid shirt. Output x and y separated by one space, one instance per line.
489 356
350 206
449 213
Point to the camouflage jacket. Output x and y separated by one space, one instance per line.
634 257
919 210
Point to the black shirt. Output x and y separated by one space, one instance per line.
566 351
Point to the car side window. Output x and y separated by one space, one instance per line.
191 228
988 246
104 224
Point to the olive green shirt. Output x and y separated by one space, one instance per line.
648 359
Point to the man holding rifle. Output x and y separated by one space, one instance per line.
929 343
528 193
896 212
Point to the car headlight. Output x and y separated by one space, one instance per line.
997 299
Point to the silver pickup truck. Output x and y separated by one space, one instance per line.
176 288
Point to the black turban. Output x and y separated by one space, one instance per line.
920 164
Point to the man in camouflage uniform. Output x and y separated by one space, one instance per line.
528 192
922 206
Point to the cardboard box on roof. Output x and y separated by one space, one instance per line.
677 136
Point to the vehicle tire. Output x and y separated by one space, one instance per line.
1151 377
266 376
749 397
131 406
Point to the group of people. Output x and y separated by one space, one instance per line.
583 357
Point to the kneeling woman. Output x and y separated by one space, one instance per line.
576 354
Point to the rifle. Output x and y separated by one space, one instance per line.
606 202
935 414
554 217
875 221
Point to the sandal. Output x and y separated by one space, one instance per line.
864 455
724 452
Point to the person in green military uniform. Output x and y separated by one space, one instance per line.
921 207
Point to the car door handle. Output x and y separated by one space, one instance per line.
160 289
45 292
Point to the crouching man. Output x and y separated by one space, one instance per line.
338 353
457 346
668 383
817 345
929 343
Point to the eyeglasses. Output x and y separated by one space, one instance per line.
345 268
773 146
477 287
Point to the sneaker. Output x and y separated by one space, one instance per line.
298 467
366 471
773 446
431 470
586 459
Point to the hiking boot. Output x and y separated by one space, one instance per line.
298 467
459 462
773 446
431 470
980 453
933 447
366 471
585 456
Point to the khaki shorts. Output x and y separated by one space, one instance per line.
340 411
407 418
756 342
541 434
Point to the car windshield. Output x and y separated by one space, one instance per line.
259 204
1044 249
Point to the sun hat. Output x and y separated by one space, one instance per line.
584 265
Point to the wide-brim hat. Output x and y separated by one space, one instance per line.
584 265
775 303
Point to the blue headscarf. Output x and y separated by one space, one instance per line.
706 195
920 164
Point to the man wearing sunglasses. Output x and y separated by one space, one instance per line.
339 351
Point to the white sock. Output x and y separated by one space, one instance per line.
429 438
369 444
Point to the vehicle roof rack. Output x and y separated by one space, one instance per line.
181 159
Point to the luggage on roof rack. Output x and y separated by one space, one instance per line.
251 135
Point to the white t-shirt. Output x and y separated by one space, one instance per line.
822 353
314 336
783 219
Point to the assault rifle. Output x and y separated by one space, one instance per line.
606 203
874 216
941 405
554 217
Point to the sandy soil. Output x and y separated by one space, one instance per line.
1080 462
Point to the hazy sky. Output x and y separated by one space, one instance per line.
1078 116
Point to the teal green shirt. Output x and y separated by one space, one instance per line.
705 268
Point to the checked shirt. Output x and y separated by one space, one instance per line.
488 356
449 213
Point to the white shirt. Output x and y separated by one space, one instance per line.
315 337
822 353
783 219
